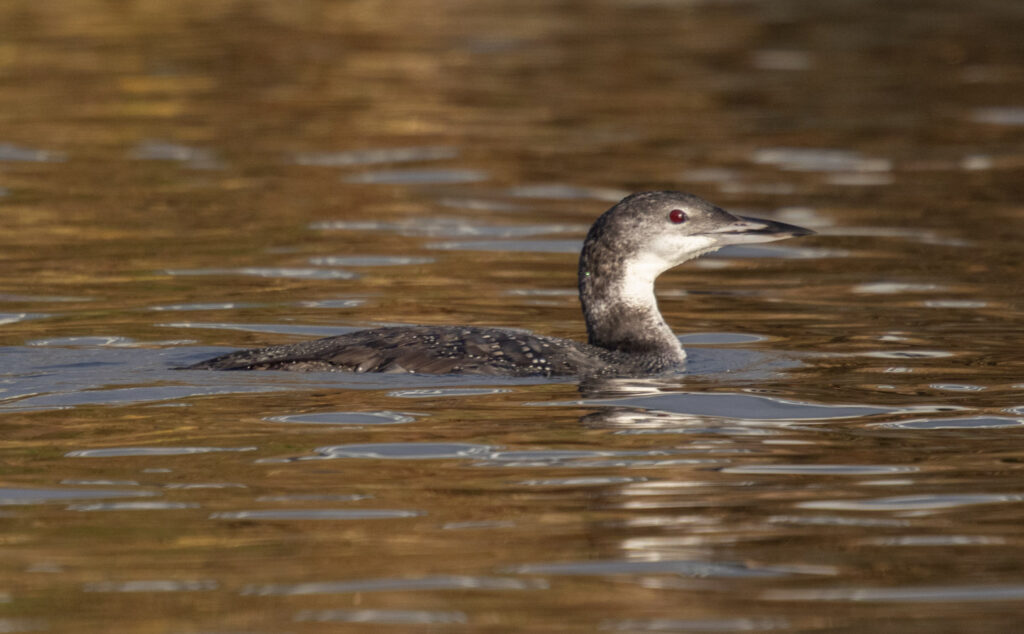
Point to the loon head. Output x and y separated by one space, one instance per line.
648 233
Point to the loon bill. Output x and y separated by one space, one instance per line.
627 248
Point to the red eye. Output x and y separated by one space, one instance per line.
677 216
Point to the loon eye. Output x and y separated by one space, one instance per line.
678 216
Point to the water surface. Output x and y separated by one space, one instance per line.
843 454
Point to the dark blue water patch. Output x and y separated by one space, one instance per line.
404 584
318 514
418 177
10 496
376 156
382 617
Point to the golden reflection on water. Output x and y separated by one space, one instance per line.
188 155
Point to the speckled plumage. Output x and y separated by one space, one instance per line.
625 250
441 350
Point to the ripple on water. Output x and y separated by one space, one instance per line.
133 506
195 158
447 392
892 288
382 617
210 306
697 625
819 469
903 594
581 482
407 451
516 246
977 422
15 153
279 329
741 406
819 160
562 191
13 318
719 338
1011 115
403 584
480 204
332 303
346 418
272 272
317 514
376 156
418 177
911 502
934 540
440 227
368 260
152 585
680 567
11 496
118 452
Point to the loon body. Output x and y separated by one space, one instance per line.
627 247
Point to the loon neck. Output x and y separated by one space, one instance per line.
619 305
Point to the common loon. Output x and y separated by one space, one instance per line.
629 246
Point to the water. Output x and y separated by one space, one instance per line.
843 455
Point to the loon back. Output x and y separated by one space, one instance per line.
437 350
627 247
